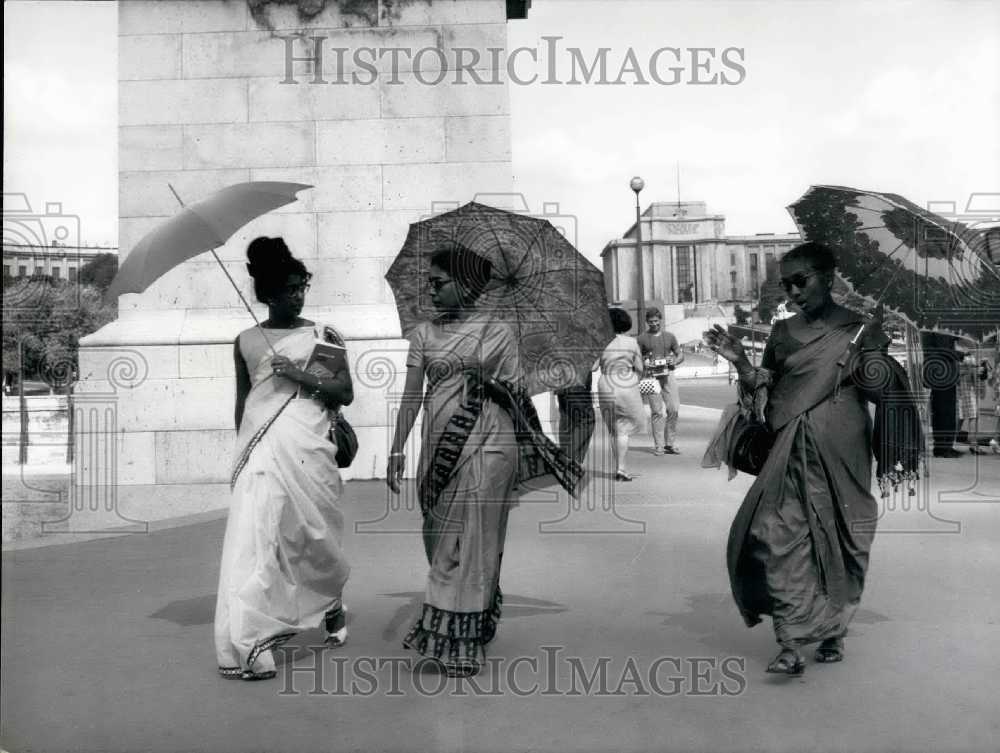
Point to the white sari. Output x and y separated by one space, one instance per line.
282 562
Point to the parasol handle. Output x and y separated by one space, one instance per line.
852 346
231 280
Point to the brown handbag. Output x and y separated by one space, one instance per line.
342 434
750 445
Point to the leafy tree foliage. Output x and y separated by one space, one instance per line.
45 319
99 271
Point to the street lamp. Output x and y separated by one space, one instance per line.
637 184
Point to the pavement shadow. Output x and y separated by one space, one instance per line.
711 618
869 617
708 617
197 611
513 606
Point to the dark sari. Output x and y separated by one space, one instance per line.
799 545
482 441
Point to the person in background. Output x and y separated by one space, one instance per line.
993 377
618 390
661 354
941 361
576 418
968 400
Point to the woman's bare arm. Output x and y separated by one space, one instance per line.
242 382
408 410
409 407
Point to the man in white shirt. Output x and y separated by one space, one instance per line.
661 354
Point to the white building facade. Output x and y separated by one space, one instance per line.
687 258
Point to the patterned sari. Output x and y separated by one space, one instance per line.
799 545
481 438
282 562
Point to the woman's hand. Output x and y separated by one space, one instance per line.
724 344
284 367
394 471
874 337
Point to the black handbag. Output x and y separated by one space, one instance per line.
751 442
342 434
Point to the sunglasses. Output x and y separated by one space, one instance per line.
437 283
799 281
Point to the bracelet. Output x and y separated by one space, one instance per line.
397 455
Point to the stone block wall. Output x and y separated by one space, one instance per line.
204 102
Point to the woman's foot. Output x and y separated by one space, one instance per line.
788 662
829 651
461 669
335 625
263 668
622 476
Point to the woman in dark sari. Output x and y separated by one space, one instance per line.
799 545
481 437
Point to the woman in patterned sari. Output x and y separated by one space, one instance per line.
799 545
480 432
283 568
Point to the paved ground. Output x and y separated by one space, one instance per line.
107 645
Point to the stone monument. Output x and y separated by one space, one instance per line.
384 106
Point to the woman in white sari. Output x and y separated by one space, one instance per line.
283 569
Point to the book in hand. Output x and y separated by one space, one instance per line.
326 359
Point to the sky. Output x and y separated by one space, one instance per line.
891 96
60 102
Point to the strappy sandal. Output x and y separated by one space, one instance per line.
461 669
830 651
335 625
252 676
619 476
268 671
788 662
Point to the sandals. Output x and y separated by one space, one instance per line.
619 476
461 669
335 625
829 651
266 671
788 662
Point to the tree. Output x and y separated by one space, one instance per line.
99 271
45 319
741 314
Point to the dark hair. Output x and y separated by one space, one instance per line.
653 311
620 320
470 271
816 255
271 264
